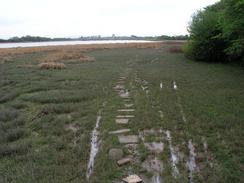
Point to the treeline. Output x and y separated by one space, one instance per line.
217 33
32 39
92 38
180 37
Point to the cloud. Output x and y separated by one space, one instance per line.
57 18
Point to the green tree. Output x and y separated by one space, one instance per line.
217 32
233 28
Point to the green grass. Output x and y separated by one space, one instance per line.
37 105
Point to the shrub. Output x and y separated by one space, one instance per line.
217 34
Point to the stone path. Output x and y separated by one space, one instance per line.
153 139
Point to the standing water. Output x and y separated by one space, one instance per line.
174 85
191 162
94 147
174 159
156 179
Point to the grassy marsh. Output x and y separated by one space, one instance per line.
46 116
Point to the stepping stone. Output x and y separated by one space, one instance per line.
127 100
124 161
132 148
156 147
122 77
120 131
121 121
126 110
120 82
119 87
124 95
128 105
125 116
132 179
153 165
116 153
129 139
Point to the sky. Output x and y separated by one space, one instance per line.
74 18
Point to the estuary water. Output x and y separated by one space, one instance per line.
56 43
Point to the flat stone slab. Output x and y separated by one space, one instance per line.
122 121
124 95
132 179
129 105
126 110
124 161
120 131
132 148
127 100
156 147
120 83
116 153
128 139
153 165
122 77
125 116
119 87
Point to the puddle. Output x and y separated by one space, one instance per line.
156 179
181 110
94 147
155 166
179 103
174 159
192 161
174 85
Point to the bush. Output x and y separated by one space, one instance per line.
217 34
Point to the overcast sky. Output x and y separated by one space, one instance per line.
65 18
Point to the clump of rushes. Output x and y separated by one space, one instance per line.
52 65
85 58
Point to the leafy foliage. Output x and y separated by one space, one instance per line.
216 33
